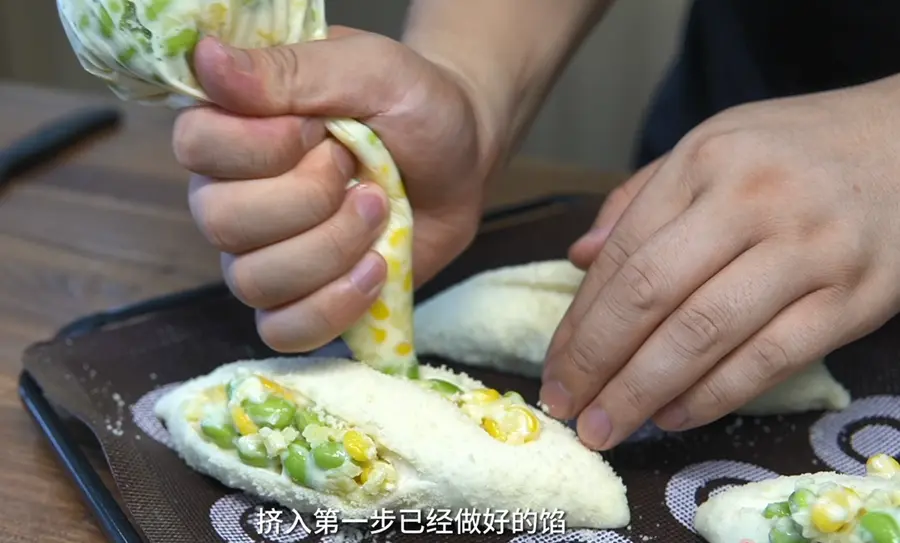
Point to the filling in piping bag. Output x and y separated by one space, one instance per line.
143 51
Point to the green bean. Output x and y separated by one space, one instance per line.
182 43
274 412
329 455
801 499
786 531
295 463
222 435
155 7
253 453
881 526
305 417
107 26
777 510
443 387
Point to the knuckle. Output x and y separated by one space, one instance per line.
768 357
633 393
715 395
582 356
615 251
287 66
643 283
338 244
696 329
708 149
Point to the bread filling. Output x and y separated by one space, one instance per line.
832 513
269 426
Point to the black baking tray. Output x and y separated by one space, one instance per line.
68 437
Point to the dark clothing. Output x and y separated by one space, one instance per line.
738 51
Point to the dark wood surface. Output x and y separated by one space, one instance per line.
104 226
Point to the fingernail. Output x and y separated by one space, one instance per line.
673 417
370 206
594 236
368 273
557 399
594 427
241 61
344 161
311 134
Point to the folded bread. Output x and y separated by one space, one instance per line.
505 318
823 507
332 433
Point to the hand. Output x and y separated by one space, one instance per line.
270 190
769 237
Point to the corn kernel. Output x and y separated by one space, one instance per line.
492 427
359 446
367 471
835 508
242 421
483 395
218 395
530 427
275 388
882 465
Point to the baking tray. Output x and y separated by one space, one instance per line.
77 447
156 498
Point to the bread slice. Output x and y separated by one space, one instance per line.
444 459
505 318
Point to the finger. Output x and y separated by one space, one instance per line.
664 196
212 142
314 321
301 78
241 216
294 268
583 252
647 288
716 319
803 332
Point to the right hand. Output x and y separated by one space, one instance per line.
270 188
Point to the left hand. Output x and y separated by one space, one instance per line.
767 238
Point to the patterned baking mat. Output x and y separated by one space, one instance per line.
109 375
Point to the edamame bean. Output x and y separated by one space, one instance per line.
182 43
777 510
801 499
305 417
253 453
443 387
786 531
329 455
274 412
107 26
222 435
295 463
882 527
155 7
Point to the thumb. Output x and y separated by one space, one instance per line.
345 75
583 252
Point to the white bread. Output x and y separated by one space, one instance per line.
505 318
455 464
735 515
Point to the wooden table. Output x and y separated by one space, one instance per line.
104 226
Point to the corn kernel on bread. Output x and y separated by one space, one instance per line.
447 461
505 318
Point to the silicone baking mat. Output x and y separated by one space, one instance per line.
108 370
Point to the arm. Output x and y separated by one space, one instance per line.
508 54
